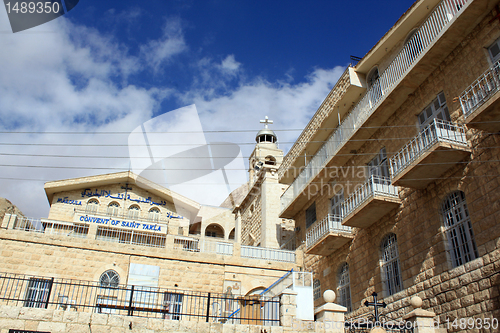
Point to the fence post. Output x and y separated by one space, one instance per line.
288 307
330 314
423 320
208 308
49 292
130 308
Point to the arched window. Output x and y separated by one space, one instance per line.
92 206
413 45
458 228
113 208
270 160
317 289
110 278
344 287
391 272
154 214
374 88
134 211
231 234
214 230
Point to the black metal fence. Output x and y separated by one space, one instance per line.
85 296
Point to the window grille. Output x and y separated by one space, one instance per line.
344 287
154 214
391 272
379 167
437 109
113 208
458 228
310 215
317 289
92 206
134 211
110 278
37 293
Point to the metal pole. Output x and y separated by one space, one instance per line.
49 292
130 309
208 307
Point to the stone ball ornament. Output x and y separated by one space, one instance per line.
329 296
416 302
378 330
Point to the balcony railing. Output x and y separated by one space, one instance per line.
419 43
437 131
331 223
49 227
481 90
267 254
203 245
374 186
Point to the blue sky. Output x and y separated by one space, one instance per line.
109 66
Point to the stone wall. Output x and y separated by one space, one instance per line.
86 259
470 290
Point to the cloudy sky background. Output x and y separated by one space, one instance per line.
72 90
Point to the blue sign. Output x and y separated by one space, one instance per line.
121 224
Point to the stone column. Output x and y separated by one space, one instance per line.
271 205
237 228
288 307
330 314
423 320
8 221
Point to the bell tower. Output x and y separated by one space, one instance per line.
266 153
264 163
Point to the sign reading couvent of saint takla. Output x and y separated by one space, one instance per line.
171 150
28 14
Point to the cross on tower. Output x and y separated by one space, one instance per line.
376 305
266 122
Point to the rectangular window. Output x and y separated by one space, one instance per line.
311 215
336 203
436 110
38 292
379 168
172 303
494 51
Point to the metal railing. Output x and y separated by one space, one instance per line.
331 223
132 237
374 186
481 90
203 245
267 254
173 304
50 227
437 131
290 244
412 51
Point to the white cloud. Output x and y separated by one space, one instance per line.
161 51
229 65
73 79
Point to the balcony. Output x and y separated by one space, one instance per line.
328 235
480 101
436 37
436 149
370 202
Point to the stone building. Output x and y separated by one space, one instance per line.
400 192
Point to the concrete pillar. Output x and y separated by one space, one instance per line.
271 193
8 221
330 314
423 320
288 307
237 228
